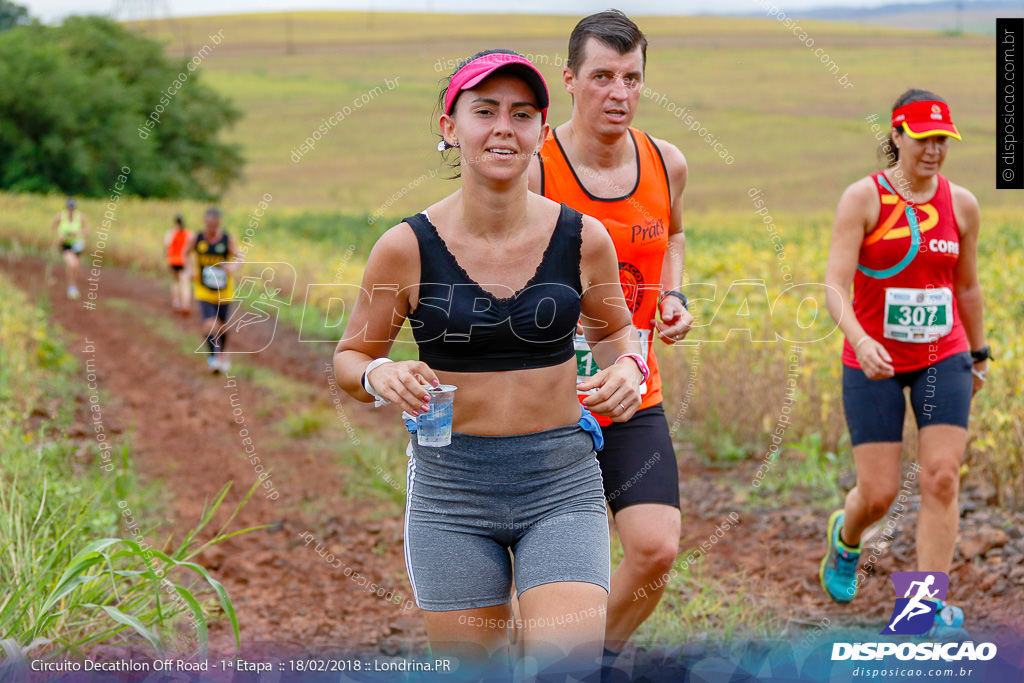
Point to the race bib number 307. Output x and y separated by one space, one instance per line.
918 315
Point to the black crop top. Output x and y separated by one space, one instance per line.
461 327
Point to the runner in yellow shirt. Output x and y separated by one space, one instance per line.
214 253
71 231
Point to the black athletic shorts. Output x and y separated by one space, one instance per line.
638 462
176 269
221 311
940 395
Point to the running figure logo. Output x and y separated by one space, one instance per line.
914 613
259 302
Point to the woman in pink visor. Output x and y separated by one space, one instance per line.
906 240
493 280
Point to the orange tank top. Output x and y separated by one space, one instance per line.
638 223
176 249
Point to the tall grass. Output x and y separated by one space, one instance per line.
71 579
725 394
379 159
729 394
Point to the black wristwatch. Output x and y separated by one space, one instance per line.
676 294
983 354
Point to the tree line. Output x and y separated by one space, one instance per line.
74 97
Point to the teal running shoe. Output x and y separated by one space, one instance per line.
949 621
838 570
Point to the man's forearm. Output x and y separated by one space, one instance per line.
675 257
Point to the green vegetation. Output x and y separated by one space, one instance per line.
378 165
698 606
812 469
793 130
72 580
358 168
800 139
779 404
89 108
12 15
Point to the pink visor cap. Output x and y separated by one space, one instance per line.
477 71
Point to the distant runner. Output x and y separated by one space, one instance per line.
176 243
214 252
601 166
906 240
71 231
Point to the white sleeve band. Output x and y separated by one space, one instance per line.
374 364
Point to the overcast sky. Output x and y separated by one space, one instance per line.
50 10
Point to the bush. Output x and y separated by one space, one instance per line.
73 108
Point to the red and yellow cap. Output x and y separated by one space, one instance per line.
925 118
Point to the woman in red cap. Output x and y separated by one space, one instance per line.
493 279
906 240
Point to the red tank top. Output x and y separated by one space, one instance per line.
638 224
912 277
176 249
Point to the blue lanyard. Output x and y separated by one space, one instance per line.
915 243
590 425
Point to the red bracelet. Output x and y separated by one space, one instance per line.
645 371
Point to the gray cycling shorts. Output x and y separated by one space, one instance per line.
470 505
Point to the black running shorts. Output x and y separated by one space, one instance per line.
940 395
638 462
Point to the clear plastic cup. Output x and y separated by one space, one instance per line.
434 427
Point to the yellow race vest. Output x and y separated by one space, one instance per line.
212 284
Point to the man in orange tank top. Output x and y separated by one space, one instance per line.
597 164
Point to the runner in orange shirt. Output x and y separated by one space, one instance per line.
597 164
175 242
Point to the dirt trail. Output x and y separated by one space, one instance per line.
184 433
289 600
